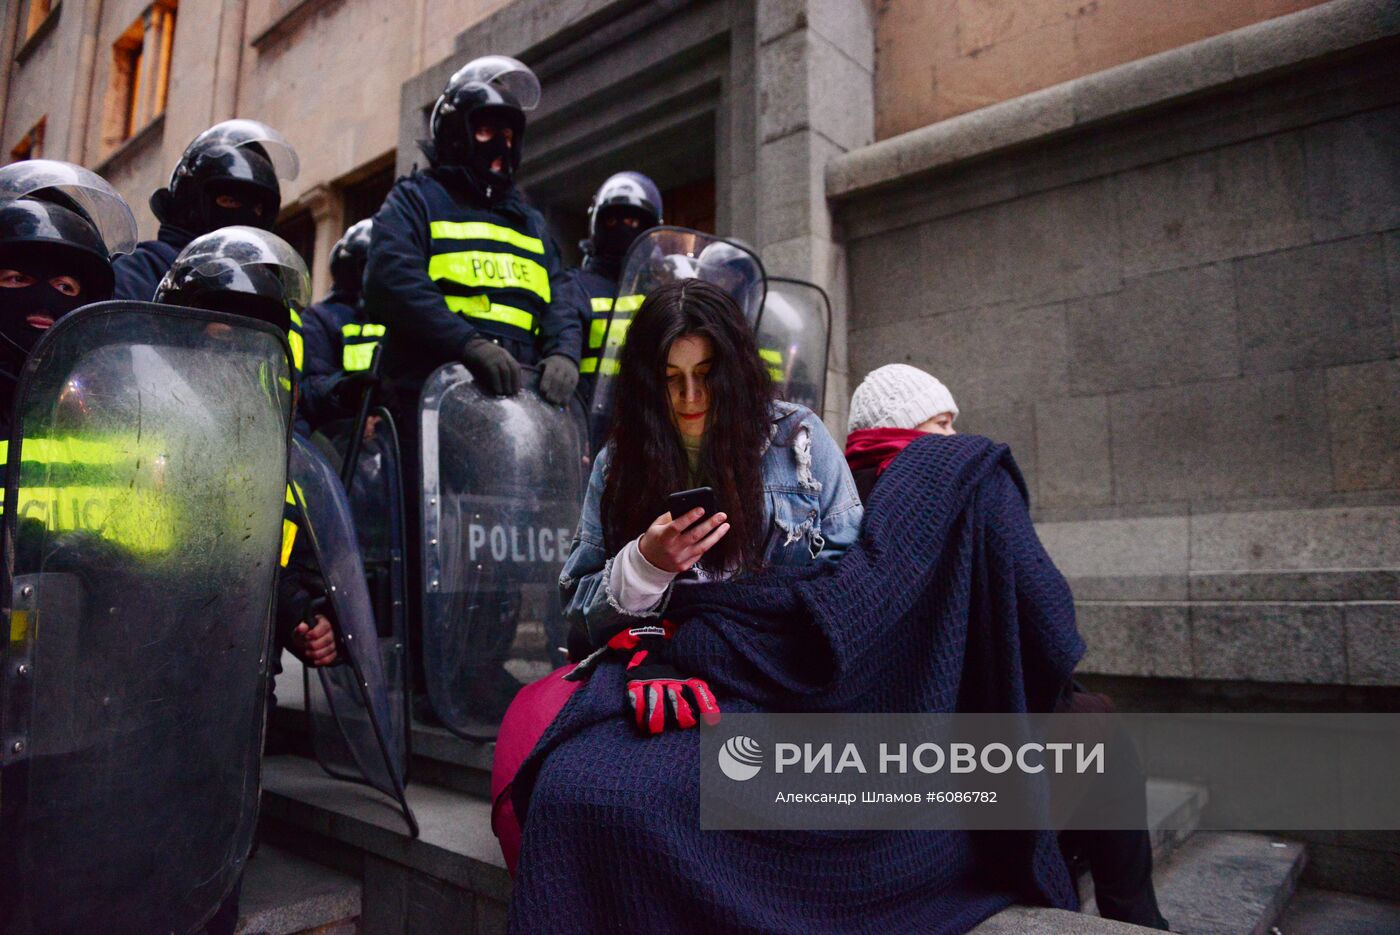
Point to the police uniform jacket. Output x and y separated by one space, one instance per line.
338 340
444 270
139 273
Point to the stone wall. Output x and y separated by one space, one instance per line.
1174 289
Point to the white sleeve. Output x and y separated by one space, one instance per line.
635 583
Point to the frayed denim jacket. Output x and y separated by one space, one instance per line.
810 501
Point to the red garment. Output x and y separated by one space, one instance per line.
867 448
533 710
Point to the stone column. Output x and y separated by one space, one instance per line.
328 211
815 86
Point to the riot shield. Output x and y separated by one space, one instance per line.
503 484
659 256
376 507
143 500
794 339
357 731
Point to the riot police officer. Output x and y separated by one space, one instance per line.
624 206
228 175
460 267
340 342
59 226
255 273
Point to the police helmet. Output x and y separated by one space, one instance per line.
492 84
626 190
46 204
348 257
242 154
241 270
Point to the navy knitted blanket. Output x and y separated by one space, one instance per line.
947 603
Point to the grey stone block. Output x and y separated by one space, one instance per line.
1373 643
1012 425
1392 269
1130 588
283 893
1260 436
1318 910
784 93
846 25
841 101
1324 29
1363 422
1156 78
1072 456
400 902
1135 639
1233 201
1339 538
1354 174
1343 585
1364 872
1314 306
1136 547
1220 883
1167 328
789 195
886 286
1037 920
1263 642
988 357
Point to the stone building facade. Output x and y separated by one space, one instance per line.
1152 244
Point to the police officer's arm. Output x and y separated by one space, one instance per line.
320 367
398 291
298 586
561 329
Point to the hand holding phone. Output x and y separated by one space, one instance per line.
678 539
684 501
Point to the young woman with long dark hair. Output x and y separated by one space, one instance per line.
694 407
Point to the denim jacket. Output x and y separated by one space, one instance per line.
810 502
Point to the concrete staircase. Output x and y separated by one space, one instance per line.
336 858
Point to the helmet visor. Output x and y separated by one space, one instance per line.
242 132
88 190
509 75
245 259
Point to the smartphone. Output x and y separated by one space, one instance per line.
687 500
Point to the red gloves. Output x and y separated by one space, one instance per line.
657 694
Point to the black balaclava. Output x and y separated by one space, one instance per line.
22 309
481 155
247 305
610 242
250 196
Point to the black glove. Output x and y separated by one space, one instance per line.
492 366
348 390
559 377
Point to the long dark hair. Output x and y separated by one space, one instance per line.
648 460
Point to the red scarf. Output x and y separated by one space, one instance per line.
866 448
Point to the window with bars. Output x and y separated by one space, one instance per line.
136 95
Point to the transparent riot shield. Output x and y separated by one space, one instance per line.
143 500
503 484
357 730
376 507
663 255
794 339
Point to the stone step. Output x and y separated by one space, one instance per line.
1228 883
1035 920
1173 813
437 756
1325 912
451 878
284 894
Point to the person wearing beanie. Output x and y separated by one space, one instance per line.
894 405
892 408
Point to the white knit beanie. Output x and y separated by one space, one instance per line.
898 396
